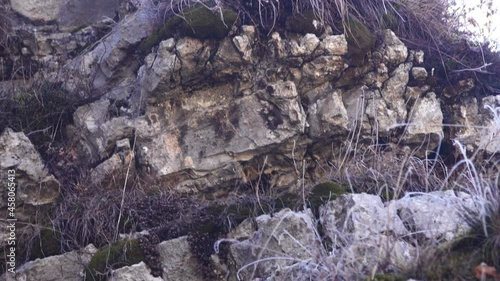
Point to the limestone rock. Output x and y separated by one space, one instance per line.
425 122
68 14
66 267
394 89
38 10
426 118
305 47
178 262
416 92
359 216
436 215
480 124
419 57
107 60
334 45
287 234
217 128
136 272
34 184
115 170
419 73
98 131
382 115
395 52
327 116
322 69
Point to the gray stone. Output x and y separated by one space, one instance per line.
359 216
107 61
478 125
426 122
98 132
68 14
218 129
394 89
419 73
436 215
321 69
136 272
334 45
305 47
289 235
178 262
243 44
416 92
395 52
34 185
66 267
419 57
327 116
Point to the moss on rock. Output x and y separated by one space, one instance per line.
324 192
113 256
48 243
202 23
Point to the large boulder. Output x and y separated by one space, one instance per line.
478 124
281 240
178 263
35 186
438 216
66 267
68 14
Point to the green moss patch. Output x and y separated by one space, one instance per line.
324 192
202 23
46 244
120 254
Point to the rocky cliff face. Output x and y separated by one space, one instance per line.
205 117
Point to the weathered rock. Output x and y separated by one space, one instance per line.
335 45
108 60
288 235
425 122
479 127
419 73
395 52
394 89
359 216
359 225
217 129
416 92
99 132
34 185
306 46
436 215
118 169
178 262
327 115
355 104
66 267
419 57
136 272
322 69
382 116
68 14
